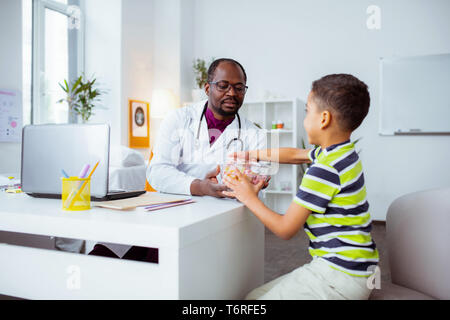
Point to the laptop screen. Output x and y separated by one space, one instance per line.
49 149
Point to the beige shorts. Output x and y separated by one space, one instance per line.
313 281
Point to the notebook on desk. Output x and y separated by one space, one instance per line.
47 149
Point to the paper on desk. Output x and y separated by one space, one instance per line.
147 199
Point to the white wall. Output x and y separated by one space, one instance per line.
137 56
173 51
120 51
166 45
285 45
10 71
187 47
103 59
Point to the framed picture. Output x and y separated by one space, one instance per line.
139 124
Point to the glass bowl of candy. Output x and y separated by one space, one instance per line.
254 171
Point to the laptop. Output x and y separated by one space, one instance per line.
48 149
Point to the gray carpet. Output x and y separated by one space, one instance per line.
283 256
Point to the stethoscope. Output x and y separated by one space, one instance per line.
238 139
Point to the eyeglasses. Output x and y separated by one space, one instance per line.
224 86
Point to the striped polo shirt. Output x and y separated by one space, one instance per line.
339 225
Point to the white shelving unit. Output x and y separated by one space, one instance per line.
284 184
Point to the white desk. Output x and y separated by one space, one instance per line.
213 249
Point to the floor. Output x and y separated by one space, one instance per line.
283 256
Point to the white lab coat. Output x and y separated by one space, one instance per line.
179 157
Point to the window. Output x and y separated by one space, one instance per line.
57 56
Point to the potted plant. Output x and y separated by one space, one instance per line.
81 95
201 79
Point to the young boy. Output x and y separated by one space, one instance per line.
331 202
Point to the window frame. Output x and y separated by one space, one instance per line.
76 51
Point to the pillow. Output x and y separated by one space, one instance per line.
121 156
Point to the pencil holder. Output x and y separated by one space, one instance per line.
76 194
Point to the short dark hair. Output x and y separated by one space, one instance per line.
215 64
344 94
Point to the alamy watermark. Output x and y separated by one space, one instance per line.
373 21
374 281
73 281
185 148
74 17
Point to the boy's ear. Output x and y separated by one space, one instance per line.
325 120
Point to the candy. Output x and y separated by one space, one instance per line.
254 171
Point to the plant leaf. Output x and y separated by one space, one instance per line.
64 89
77 83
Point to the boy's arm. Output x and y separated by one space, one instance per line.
280 155
284 226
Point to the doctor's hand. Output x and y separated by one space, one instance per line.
209 186
206 187
212 175
241 188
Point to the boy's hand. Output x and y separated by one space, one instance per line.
266 183
241 188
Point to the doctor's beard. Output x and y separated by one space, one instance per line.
227 111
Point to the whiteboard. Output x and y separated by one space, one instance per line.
415 95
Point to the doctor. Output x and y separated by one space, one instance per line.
194 141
